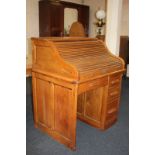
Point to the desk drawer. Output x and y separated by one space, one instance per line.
114 87
114 80
93 84
114 94
111 114
113 99
112 105
111 117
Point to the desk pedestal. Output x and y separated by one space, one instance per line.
57 104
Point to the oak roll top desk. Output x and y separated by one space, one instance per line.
74 78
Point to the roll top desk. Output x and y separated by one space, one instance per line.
74 78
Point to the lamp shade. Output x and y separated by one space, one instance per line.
100 14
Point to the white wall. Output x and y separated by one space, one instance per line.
113 27
125 18
32 26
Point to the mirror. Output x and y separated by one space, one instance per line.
70 16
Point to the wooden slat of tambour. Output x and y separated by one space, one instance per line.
82 50
87 64
100 62
65 39
89 60
85 43
101 71
98 66
87 55
80 64
76 48
94 60
73 46
69 39
80 55
84 57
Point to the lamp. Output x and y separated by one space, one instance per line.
100 15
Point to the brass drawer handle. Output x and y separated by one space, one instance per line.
114 93
115 81
112 110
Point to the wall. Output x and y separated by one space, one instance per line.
125 18
32 26
94 6
32 20
114 10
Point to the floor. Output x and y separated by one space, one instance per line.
90 141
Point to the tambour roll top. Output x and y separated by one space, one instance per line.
75 59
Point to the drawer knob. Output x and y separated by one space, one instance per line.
115 81
112 110
114 93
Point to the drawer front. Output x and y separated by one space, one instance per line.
111 115
113 77
114 87
114 93
115 80
113 99
112 106
93 84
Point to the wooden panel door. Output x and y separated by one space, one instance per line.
62 100
65 106
55 110
93 104
44 103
